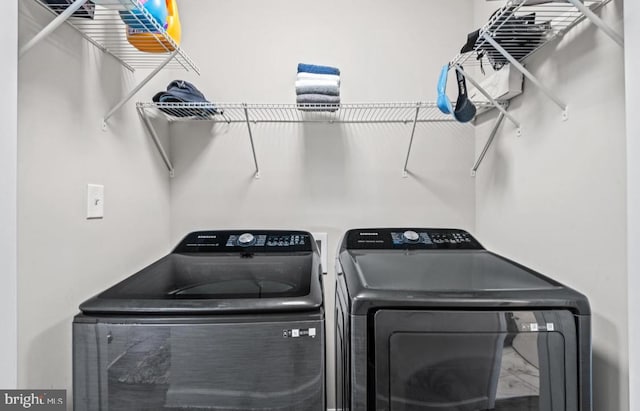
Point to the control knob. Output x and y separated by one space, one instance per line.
246 239
411 236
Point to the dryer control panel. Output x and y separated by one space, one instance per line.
411 238
245 241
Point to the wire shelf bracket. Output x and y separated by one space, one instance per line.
515 63
253 148
103 26
485 149
51 27
252 114
156 140
413 132
595 19
135 90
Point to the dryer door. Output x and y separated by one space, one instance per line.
475 361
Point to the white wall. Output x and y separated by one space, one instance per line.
559 182
319 177
555 199
632 67
8 197
65 88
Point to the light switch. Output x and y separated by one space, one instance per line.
95 201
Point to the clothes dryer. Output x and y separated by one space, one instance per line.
428 320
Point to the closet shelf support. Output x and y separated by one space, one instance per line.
156 140
492 136
493 101
136 89
413 132
588 13
51 27
253 148
515 63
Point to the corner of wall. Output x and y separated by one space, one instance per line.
8 199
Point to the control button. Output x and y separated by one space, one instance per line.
411 235
246 239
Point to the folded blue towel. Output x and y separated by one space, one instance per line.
312 68
317 99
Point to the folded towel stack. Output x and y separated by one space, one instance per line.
196 105
318 85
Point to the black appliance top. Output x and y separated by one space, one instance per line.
441 268
218 272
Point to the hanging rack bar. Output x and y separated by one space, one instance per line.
413 132
515 63
493 101
488 144
51 27
253 148
588 13
136 89
156 140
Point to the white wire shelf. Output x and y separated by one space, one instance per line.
523 29
252 114
515 32
106 30
348 113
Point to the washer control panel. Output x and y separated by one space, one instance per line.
411 238
245 241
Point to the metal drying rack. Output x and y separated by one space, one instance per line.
514 33
252 114
106 30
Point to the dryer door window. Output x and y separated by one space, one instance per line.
452 361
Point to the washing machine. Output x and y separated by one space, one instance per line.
230 320
428 320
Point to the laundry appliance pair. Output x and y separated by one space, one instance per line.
426 320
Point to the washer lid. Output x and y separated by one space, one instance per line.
222 272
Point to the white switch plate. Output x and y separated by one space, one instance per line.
321 240
95 201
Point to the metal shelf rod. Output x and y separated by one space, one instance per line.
253 148
137 88
598 22
51 27
493 134
156 141
413 132
515 63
